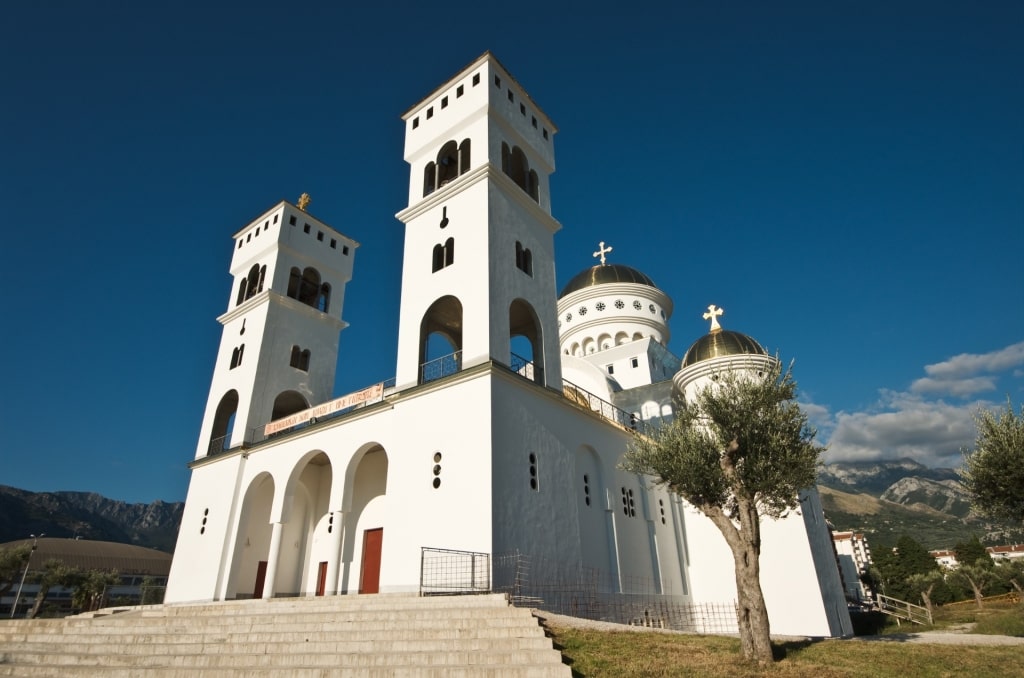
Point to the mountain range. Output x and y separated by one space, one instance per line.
889 499
883 499
88 515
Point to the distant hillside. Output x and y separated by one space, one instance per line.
88 515
889 499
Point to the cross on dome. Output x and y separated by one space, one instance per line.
602 250
303 202
712 315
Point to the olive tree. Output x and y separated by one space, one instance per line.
739 450
993 472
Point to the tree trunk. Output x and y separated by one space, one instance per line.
44 590
926 596
751 611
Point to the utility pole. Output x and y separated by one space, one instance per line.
35 544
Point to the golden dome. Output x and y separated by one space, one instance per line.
720 343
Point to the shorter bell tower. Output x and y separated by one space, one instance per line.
279 346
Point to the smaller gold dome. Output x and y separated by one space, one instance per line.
720 343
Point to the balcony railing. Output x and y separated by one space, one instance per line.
440 367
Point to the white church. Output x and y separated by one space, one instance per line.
295 492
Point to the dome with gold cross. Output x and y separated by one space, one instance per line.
719 343
605 273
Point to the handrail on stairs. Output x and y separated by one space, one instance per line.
901 609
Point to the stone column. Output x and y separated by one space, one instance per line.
334 561
272 557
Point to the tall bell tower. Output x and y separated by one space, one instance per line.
478 277
279 346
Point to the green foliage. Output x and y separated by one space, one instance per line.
54 572
972 551
1003 623
744 437
994 471
12 564
895 568
90 587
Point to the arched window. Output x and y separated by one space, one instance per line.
429 178
519 169
253 282
323 301
464 156
525 340
288 402
294 281
236 356
443 255
447 163
524 259
309 287
506 158
223 423
441 339
263 276
241 292
534 186
300 359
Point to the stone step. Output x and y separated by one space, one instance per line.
348 602
312 615
309 660
275 645
348 632
449 671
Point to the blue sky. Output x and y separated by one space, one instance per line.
845 179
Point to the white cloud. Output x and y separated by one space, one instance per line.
930 432
969 373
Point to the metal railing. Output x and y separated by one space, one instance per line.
525 367
587 400
901 609
450 572
440 367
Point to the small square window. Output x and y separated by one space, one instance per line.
476 79
320 236
275 217
240 244
291 220
334 244
257 230
444 102
430 113
634 362
305 228
459 91
545 132
344 249
416 122
611 369
533 121
497 82
511 97
248 237
522 108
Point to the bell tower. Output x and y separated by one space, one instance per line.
279 346
478 276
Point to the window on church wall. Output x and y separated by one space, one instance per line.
534 476
223 423
447 164
294 282
436 482
464 156
506 158
443 255
449 251
519 169
300 359
253 281
661 510
241 291
628 506
524 259
429 178
309 287
534 186
586 489
236 356
323 301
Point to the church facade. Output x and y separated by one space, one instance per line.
511 407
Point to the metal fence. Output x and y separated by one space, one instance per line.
451 572
440 367
591 593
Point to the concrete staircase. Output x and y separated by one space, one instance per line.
337 636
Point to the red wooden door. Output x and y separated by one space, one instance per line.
321 578
369 576
261 577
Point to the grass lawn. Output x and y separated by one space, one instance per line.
620 654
